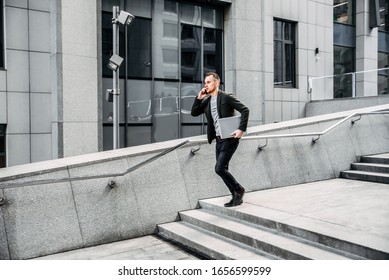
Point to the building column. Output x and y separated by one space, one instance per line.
366 51
74 69
243 55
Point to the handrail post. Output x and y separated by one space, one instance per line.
309 87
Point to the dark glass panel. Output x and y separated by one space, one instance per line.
213 45
383 81
278 63
289 65
166 111
384 15
344 11
139 49
343 63
138 135
277 29
188 94
190 53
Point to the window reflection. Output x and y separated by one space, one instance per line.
165 40
175 47
139 48
343 64
384 15
139 101
383 81
166 118
343 11
190 14
213 51
190 53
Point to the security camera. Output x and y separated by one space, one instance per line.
125 18
114 62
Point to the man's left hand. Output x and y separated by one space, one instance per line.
237 134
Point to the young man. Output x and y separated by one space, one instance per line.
218 104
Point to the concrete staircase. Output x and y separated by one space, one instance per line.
374 168
242 232
328 220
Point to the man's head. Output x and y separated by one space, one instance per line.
212 82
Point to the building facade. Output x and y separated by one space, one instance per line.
54 75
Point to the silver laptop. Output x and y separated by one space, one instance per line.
228 126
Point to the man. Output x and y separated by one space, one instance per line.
218 104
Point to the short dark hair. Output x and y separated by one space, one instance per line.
214 75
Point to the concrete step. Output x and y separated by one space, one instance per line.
381 158
335 236
371 167
365 176
208 244
274 242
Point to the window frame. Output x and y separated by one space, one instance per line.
284 44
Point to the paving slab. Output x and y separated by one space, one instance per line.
149 247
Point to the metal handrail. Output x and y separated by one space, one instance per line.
110 184
314 140
353 75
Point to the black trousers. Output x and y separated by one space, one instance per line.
225 149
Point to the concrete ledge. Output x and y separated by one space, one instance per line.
36 217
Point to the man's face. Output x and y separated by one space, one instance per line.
211 84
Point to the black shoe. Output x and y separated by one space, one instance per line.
238 197
230 203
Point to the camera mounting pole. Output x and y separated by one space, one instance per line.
115 92
115 61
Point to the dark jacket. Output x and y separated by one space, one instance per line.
226 106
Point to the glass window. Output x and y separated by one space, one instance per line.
284 54
1 35
167 55
139 101
190 53
165 40
166 111
383 81
344 11
106 34
190 14
2 146
107 5
343 64
211 18
384 15
139 112
213 44
139 8
139 48
188 94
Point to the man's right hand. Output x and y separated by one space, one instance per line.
202 94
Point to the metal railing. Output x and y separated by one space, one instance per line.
111 184
345 85
193 151
314 140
